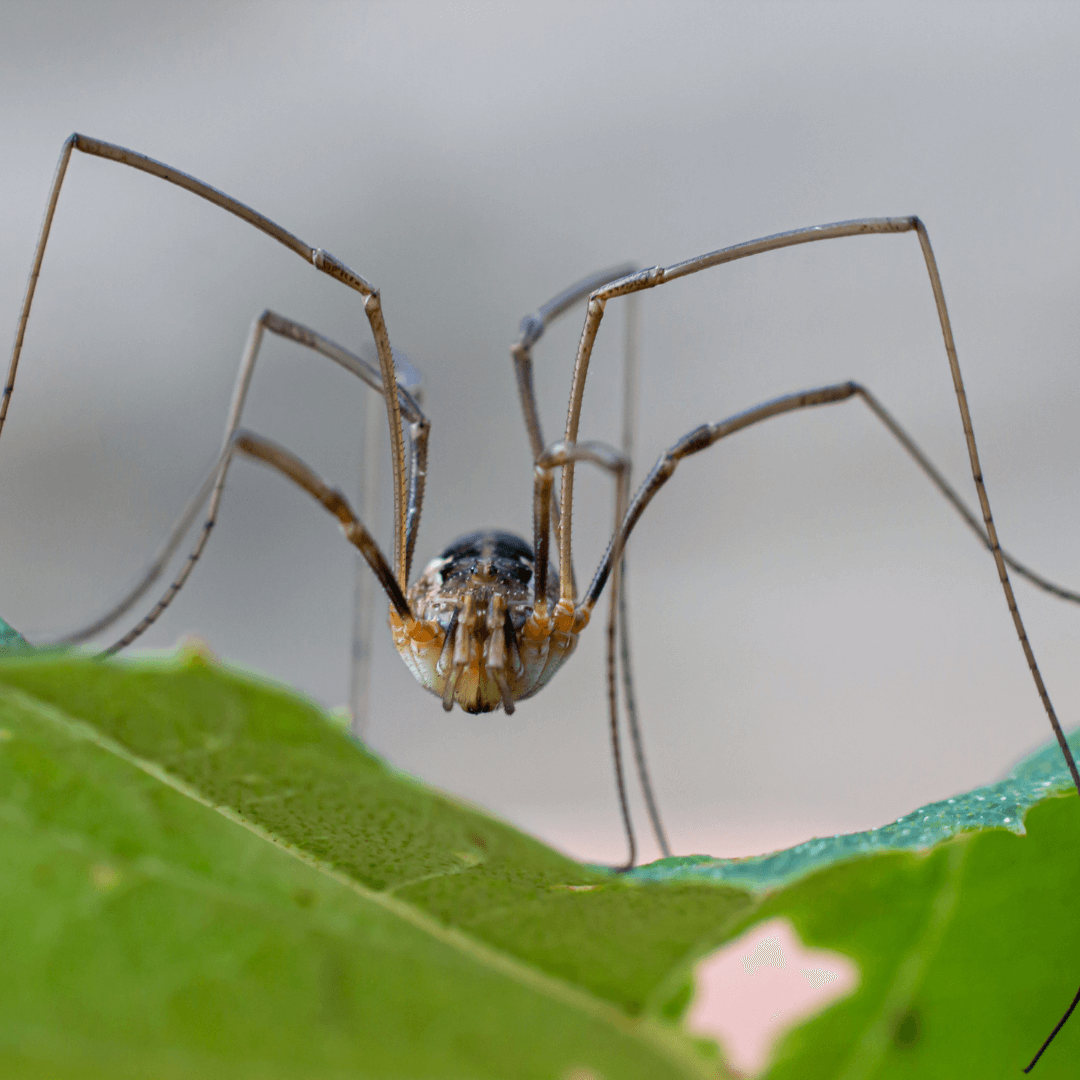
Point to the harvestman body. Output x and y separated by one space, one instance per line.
490 621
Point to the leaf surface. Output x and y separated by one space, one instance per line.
206 877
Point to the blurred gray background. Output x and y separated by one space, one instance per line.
821 645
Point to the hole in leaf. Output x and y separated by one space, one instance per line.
753 990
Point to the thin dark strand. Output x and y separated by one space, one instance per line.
659 275
289 465
32 280
418 458
700 439
319 258
630 705
616 748
177 583
619 464
152 572
1050 1038
629 423
984 501
958 503
301 335
531 330
665 466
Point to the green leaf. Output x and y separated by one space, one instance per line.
10 637
962 917
205 877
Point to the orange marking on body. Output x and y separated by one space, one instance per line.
565 617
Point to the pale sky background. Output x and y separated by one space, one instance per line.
821 645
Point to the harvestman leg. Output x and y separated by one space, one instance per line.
270 453
531 329
320 259
364 606
703 437
533 326
618 464
407 503
657 275
213 487
630 370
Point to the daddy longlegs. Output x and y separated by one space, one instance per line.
490 621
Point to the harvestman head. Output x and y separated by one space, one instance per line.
490 621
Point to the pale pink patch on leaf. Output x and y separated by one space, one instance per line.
754 989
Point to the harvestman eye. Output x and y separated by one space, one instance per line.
489 622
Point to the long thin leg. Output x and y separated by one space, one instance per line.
960 506
707 434
531 330
365 612
662 470
153 571
657 275
214 484
270 453
630 704
629 417
702 437
618 464
320 259
1057 1027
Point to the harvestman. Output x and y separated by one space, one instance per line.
490 621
